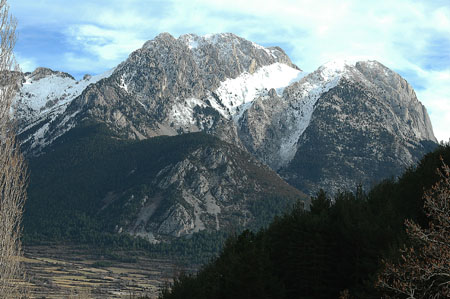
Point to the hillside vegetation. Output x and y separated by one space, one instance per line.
335 249
90 181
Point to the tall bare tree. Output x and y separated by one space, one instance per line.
424 269
13 172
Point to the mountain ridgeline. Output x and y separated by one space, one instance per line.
204 133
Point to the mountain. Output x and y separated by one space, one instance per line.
341 125
169 86
347 123
42 99
344 124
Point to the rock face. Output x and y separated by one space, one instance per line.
213 188
168 87
343 124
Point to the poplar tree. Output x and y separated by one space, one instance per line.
13 172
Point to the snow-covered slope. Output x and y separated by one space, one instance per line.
234 95
285 114
273 124
367 124
302 98
39 95
45 95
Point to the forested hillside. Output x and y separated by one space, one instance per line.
334 249
92 187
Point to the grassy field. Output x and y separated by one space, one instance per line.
65 271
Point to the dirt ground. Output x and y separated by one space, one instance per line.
70 272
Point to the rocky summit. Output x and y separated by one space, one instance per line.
343 125
169 86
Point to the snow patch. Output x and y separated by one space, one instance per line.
47 98
42 95
123 84
233 95
182 113
270 52
193 44
303 99
336 68
39 135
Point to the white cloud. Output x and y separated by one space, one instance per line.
26 64
441 19
84 65
108 44
436 98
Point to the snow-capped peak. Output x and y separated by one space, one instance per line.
43 97
209 38
53 90
334 67
349 69
225 42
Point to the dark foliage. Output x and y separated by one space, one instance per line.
337 246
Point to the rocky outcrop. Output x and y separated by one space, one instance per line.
370 126
211 189
42 72
166 87
215 186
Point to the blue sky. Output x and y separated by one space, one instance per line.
411 37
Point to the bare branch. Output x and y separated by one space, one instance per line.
424 271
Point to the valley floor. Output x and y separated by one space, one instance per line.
56 271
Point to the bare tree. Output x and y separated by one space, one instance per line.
424 269
13 172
